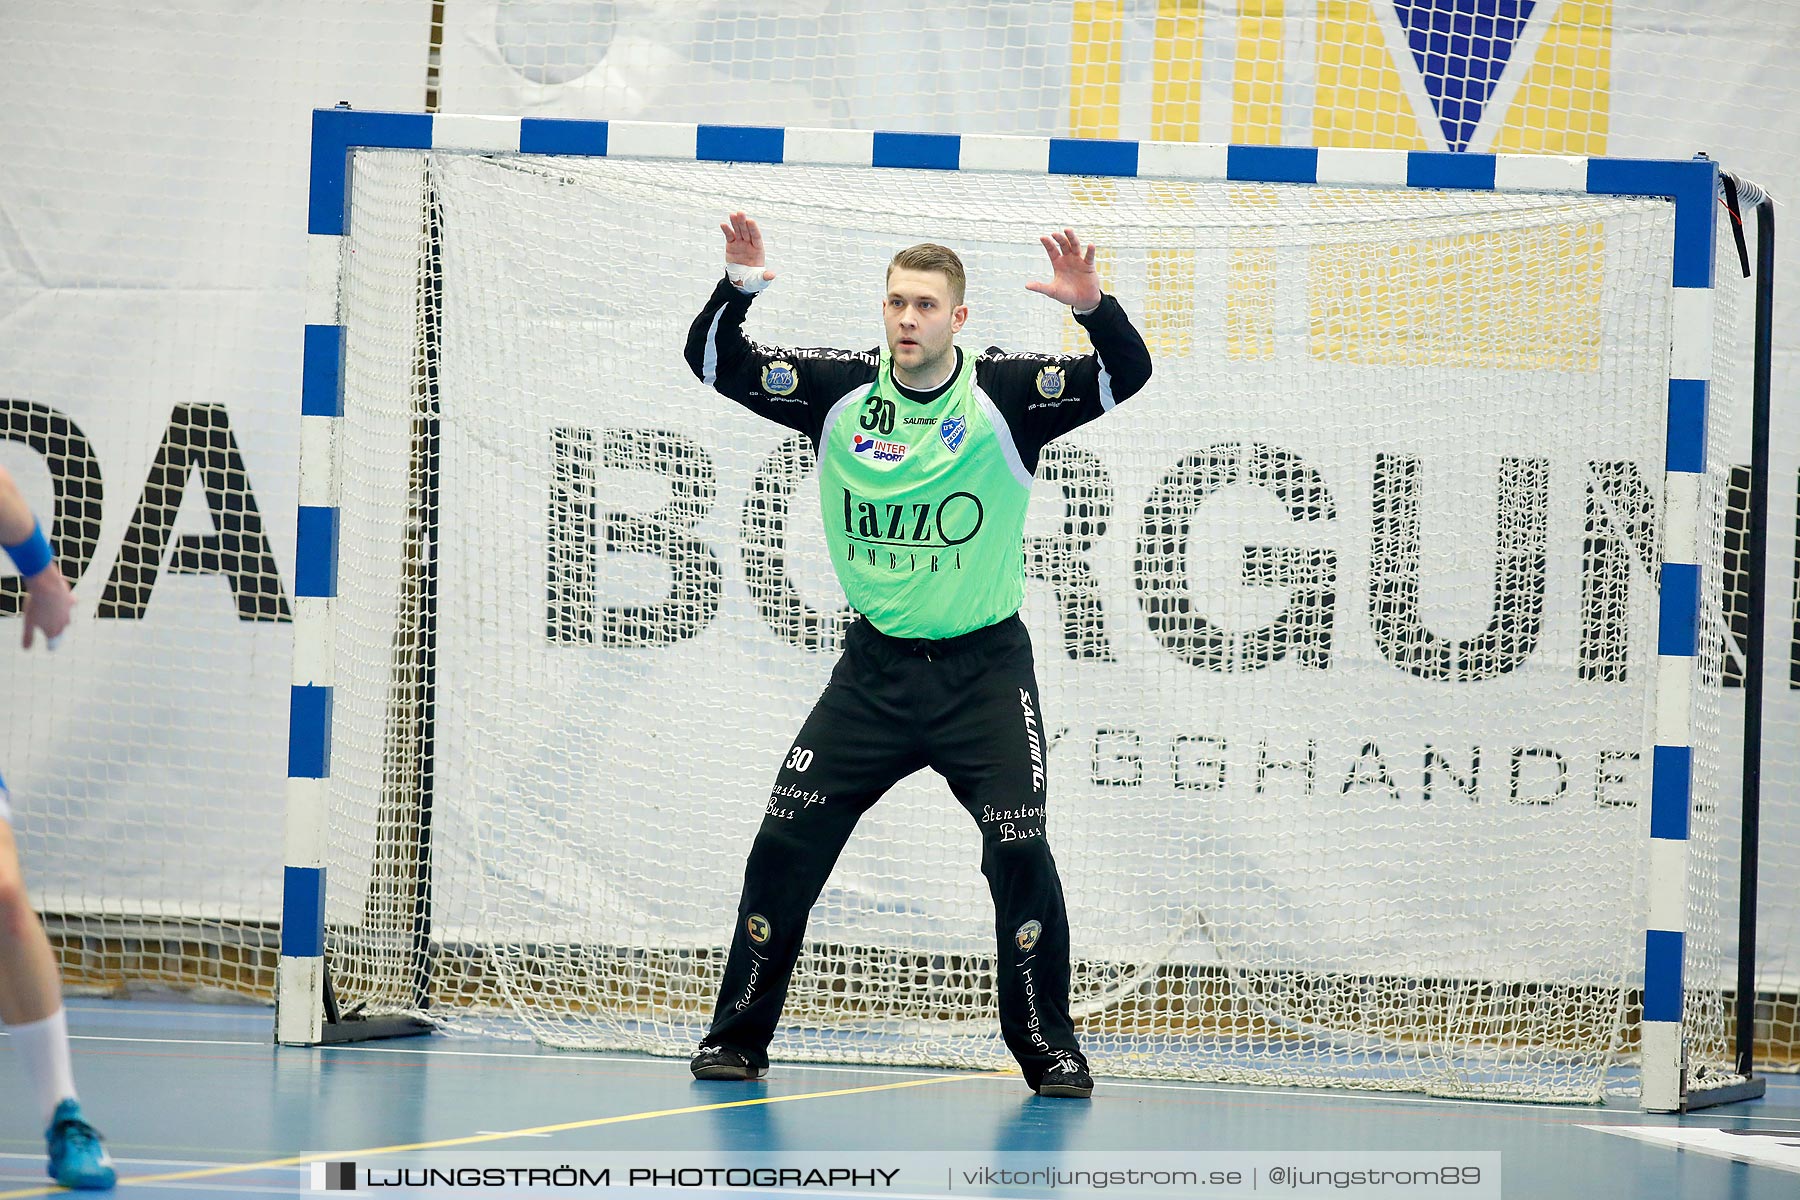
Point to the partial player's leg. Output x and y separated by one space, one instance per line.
850 751
992 748
29 987
31 1009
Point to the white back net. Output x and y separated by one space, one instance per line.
1346 624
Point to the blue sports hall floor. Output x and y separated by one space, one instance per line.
196 1101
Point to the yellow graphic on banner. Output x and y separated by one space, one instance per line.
1174 117
1250 305
1409 307
1169 303
1250 285
1515 300
1256 74
1175 74
1563 106
1256 120
1256 117
1096 64
1565 102
1096 71
1358 99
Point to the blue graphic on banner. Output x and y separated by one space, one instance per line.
1462 48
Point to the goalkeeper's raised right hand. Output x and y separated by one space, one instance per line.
744 254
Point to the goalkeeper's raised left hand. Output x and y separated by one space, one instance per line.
1074 282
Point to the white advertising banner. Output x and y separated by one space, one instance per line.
1650 78
152 266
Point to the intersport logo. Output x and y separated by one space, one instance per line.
877 450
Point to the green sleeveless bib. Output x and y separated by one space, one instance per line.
924 507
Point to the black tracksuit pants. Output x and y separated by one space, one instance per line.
968 708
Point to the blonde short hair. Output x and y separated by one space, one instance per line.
929 256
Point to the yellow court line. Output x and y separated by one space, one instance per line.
479 1138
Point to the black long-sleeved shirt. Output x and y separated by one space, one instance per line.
1041 396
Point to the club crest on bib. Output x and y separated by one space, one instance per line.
780 379
1050 383
953 430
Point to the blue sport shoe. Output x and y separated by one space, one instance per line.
77 1159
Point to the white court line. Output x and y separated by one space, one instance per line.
133 1186
1345 1095
224 1188
97 1037
1332 1095
801 1192
235 1012
1757 1150
591 1056
577 1056
157 1162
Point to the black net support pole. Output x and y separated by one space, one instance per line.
1757 553
424 957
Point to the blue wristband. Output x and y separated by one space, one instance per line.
33 554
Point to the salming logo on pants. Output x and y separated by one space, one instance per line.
968 708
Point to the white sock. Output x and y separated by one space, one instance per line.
43 1047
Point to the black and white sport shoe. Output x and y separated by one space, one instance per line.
720 1062
1068 1079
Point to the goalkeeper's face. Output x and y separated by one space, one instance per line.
923 315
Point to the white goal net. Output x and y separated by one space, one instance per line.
1346 625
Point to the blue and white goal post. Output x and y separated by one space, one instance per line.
1661 986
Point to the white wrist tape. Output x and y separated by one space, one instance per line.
746 279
